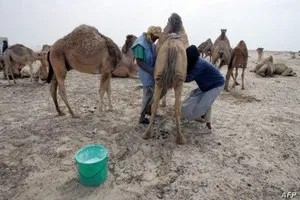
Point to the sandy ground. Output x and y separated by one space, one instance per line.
252 152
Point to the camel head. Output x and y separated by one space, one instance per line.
39 55
223 31
128 43
174 24
259 49
46 47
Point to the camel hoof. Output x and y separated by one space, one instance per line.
146 136
180 140
75 116
61 114
227 90
111 109
243 88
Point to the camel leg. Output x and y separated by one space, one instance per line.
9 70
177 107
229 72
243 78
164 101
108 92
31 72
53 91
63 95
262 71
150 130
60 72
7 67
236 75
105 87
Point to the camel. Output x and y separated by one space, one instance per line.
1 61
85 50
221 51
267 68
260 54
222 37
238 59
46 48
205 48
18 54
127 66
293 55
170 70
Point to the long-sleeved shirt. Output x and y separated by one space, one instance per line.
206 75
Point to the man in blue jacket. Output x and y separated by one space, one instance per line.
197 106
144 52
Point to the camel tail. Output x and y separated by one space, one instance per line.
169 73
50 73
113 50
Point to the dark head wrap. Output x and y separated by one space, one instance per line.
192 56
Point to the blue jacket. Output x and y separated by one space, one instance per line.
206 75
149 50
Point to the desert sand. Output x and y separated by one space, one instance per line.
252 152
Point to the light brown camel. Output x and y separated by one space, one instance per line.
293 55
238 59
127 66
205 48
20 55
260 54
222 37
85 50
221 51
267 67
170 70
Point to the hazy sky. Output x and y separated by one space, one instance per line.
272 24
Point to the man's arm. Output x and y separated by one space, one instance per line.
189 77
143 65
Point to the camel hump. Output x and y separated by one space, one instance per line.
113 50
20 50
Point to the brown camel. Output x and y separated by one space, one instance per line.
20 55
85 50
127 66
238 59
260 54
205 48
170 70
1 61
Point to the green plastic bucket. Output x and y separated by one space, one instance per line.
91 162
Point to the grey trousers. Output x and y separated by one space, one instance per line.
147 98
199 103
